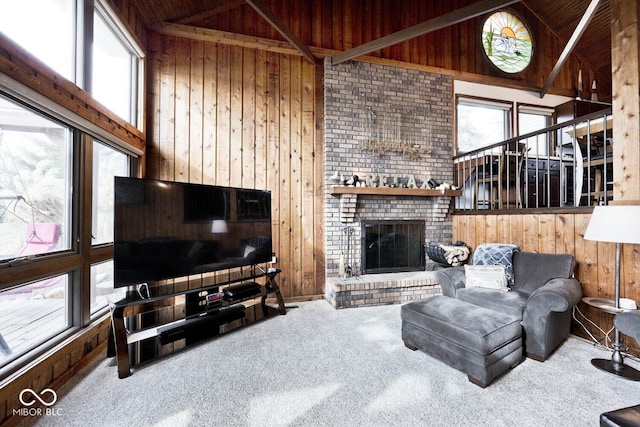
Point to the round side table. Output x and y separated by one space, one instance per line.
607 305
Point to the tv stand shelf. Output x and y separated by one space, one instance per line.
200 318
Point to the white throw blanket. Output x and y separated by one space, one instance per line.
455 255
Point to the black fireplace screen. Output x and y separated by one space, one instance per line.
392 246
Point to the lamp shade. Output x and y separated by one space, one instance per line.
219 226
614 223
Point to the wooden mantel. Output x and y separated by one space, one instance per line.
394 191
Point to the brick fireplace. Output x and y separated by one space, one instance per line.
392 127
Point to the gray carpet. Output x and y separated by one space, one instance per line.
318 366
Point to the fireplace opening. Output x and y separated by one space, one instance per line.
392 246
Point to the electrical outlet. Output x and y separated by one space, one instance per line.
88 346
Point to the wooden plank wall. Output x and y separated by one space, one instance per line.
625 56
562 233
132 18
227 115
231 115
343 24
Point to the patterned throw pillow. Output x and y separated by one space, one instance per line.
486 276
496 254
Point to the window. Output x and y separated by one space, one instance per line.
40 208
102 291
531 119
481 123
35 219
115 66
50 160
31 314
115 71
107 164
53 18
35 183
507 42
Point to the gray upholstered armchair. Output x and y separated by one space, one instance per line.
542 293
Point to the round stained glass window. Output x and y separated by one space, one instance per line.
507 42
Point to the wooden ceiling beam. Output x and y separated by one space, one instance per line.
571 44
437 23
280 26
222 7
223 37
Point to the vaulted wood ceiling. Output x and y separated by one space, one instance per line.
561 17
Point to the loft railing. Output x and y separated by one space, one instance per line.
563 165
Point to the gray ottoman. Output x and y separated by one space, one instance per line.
480 342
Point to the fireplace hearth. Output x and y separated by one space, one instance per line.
392 246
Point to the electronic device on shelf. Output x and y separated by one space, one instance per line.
242 291
165 230
213 300
199 327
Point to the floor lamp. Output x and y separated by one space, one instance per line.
617 224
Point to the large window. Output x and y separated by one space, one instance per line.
32 314
35 219
481 123
41 211
115 67
56 176
50 34
35 183
43 176
60 43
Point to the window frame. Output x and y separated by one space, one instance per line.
75 262
546 112
467 100
81 43
72 11
136 57
78 260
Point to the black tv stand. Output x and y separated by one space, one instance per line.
206 309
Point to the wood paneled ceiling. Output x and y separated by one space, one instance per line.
561 17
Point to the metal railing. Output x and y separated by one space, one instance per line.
563 165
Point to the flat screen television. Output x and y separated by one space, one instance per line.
165 230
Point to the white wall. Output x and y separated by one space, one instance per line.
507 94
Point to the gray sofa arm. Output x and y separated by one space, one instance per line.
450 280
547 316
557 295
